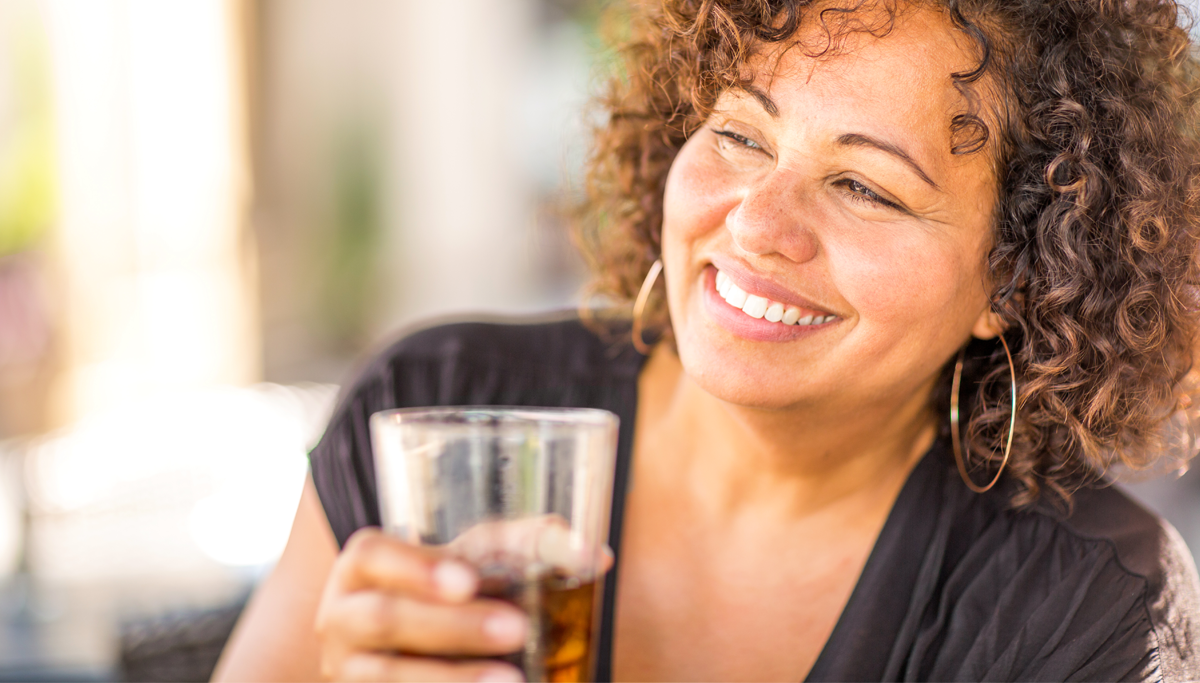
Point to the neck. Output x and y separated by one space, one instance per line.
800 460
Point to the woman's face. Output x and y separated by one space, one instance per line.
831 196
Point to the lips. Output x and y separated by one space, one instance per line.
773 299
763 308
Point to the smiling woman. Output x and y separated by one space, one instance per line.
819 205
857 210
1072 128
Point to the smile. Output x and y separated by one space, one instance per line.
762 308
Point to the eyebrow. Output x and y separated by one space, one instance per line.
764 100
849 139
860 140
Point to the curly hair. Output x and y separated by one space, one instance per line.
1096 228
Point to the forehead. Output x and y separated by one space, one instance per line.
870 68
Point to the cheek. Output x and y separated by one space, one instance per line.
696 197
912 281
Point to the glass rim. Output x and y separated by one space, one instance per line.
504 416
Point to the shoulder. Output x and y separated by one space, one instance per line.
546 361
559 343
502 360
1104 591
1152 560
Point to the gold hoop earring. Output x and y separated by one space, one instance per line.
639 306
954 432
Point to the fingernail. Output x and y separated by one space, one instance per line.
453 580
501 675
505 627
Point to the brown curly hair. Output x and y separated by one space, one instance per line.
1096 229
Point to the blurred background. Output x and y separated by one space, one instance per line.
210 210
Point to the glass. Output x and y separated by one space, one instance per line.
523 494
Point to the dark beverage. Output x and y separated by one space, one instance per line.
558 646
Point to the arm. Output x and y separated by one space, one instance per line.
274 639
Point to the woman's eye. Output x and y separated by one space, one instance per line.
741 140
861 193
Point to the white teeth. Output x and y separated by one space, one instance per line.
755 306
774 313
761 307
735 296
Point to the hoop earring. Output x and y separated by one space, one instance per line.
954 431
639 307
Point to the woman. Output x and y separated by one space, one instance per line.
859 210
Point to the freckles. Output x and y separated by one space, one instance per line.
695 199
903 281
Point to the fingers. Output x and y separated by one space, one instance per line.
373 620
376 560
546 540
607 559
388 596
556 548
374 667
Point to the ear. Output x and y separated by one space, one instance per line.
988 326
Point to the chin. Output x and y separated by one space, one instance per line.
733 378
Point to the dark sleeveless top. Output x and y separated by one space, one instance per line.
957 587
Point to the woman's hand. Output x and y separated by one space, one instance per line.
394 611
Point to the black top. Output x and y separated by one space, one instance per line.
958 586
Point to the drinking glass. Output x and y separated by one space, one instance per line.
522 494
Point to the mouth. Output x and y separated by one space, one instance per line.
766 309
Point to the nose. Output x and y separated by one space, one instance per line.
771 219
